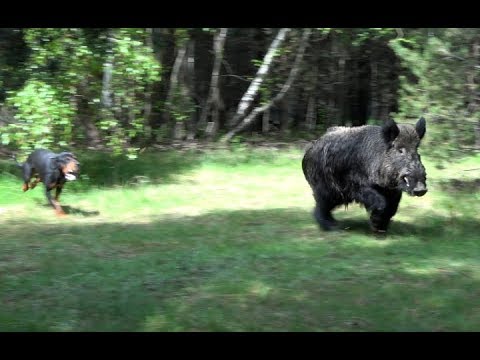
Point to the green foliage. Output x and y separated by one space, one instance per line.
180 104
44 107
54 81
369 34
59 56
43 118
134 70
134 62
324 31
437 84
181 36
181 107
66 65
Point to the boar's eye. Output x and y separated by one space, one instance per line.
402 151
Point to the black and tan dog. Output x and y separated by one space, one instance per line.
53 170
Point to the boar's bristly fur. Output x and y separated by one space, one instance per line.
370 165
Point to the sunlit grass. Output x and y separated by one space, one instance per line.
225 241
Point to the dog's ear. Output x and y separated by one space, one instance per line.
67 155
64 154
55 162
58 159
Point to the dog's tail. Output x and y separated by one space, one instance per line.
14 158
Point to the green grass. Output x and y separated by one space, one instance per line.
225 241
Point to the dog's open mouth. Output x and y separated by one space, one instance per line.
70 176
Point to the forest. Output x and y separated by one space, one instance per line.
122 90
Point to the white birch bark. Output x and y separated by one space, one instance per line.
290 80
252 90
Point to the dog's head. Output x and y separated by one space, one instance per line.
68 164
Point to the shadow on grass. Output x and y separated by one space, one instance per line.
455 185
249 270
98 169
425 229
152 167
105 170
69 210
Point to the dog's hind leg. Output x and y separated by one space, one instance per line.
27 174
35 182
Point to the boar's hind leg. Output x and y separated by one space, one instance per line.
323 213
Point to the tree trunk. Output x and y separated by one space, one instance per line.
288 109
266 122
147 107
107 72
85 116
332 77
179 130
374 101
174 77
290 80
174 87
477 135
473 87
341 86
93 135
189 86
165 53
252 91
310 118
212 104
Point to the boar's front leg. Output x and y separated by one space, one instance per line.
382 205
372 199
380 220
376 204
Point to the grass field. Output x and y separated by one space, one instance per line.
225 241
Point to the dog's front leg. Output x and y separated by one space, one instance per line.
56 205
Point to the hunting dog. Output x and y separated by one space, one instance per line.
53 170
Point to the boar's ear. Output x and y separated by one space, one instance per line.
420 127
390 130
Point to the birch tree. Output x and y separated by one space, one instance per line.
254 87
107 72
212 104
290 80
172 97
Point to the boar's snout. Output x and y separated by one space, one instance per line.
420 189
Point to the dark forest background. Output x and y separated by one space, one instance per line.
125 89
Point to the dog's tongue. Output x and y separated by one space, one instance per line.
70 177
